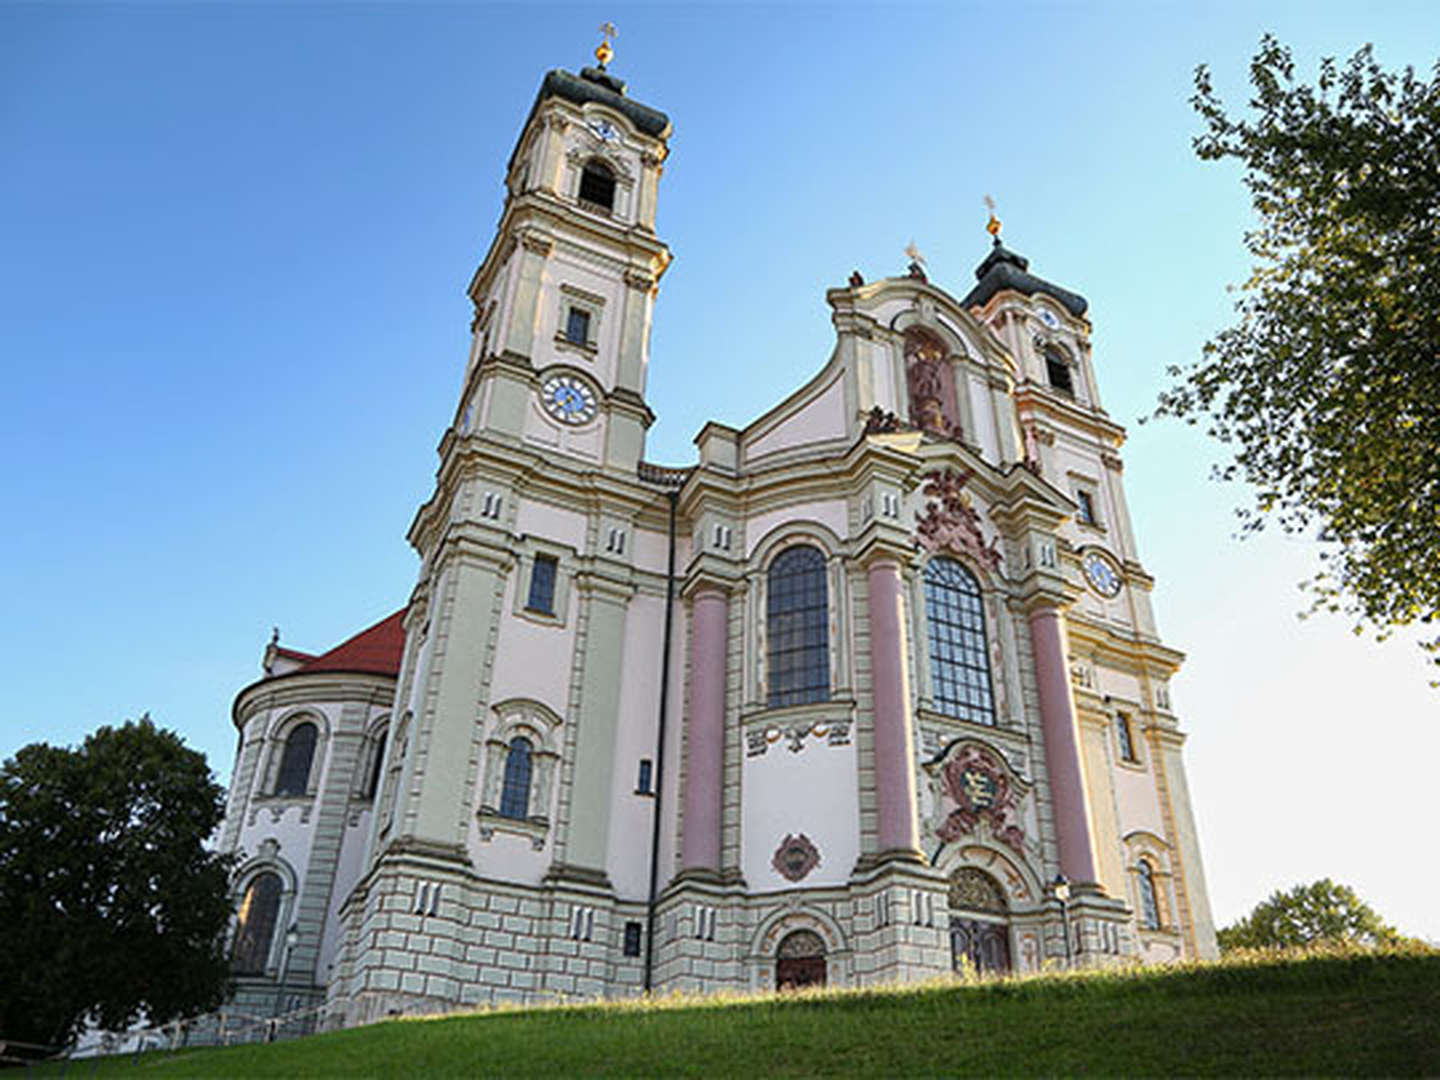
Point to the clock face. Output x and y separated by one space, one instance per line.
605 130
1101 575
568 399
1048 318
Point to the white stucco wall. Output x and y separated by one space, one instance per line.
815 792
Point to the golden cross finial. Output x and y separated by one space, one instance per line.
993 225
913 253
603 51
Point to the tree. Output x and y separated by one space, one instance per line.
1328 385
110 904
1308 915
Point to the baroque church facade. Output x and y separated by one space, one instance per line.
870 692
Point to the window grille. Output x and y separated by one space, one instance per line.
959 657
797 626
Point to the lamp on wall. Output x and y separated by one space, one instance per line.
1061 887
292 938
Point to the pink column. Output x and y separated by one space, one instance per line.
1062 749
705 730
894 746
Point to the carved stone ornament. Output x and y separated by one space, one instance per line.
983 789
952 523
795 857
801 943
976 890
880 422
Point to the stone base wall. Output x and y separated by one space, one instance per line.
425 938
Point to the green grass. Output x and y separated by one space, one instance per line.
1370 1014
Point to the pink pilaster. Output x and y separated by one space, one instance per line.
705 730
1062 749
894 744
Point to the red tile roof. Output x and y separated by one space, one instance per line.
375 651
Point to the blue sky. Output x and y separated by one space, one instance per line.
233 325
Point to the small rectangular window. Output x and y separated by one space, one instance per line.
1087 507
577 327
542 585
642 783
632 939
1126 736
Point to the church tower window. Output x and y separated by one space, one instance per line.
259 912
797 620
959 664
542 585
1126 736
597 188
577 326
1149 898
1057 369
515 788
294 775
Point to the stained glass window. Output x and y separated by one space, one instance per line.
959 660
797 622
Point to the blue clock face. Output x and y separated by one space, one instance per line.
1101 575
568 399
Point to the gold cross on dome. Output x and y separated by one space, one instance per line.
603 51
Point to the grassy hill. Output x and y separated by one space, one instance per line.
1337 1014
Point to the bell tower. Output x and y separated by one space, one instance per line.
564 297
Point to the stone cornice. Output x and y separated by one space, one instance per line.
1107 643
710 573
629 245
1033 400
312 688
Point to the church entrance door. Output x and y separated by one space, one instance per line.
800 961
985 944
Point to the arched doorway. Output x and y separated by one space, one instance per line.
979 922
800 960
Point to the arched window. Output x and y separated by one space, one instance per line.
797 621
959 659
515 788
1149 898
294 775
259 911
597 187
377 763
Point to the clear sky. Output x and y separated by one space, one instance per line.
236 240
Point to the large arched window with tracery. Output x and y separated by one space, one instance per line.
797 623
259 912
293 777
959 659
515 788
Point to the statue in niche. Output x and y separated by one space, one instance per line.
924 358
930 394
